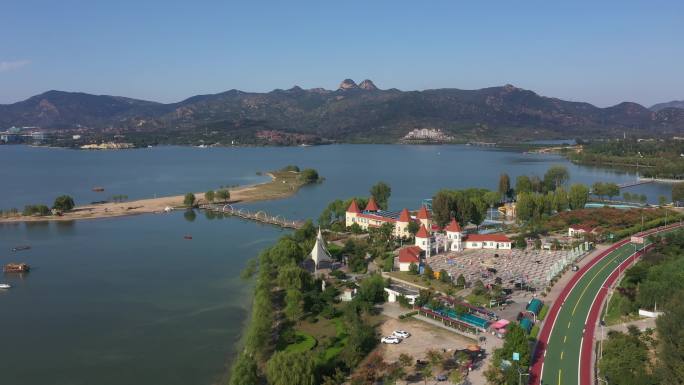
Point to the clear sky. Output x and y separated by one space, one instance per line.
600 51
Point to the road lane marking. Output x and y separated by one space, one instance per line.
565 339
569 324
586 287
559 376
562 354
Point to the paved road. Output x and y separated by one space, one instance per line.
564 352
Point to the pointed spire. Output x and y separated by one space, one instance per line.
372 206
453 226
422 232
404 217
423 213
353 207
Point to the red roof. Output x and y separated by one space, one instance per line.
410 254
404 216
423 213
453 226
353 207
487 237
422 233
372 206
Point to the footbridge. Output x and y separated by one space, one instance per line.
257 216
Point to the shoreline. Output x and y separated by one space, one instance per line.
283 184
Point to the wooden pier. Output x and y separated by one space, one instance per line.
257 216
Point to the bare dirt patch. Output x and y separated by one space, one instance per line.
424 337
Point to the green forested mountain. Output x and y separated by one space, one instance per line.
351 113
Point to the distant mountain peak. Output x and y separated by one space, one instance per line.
348 84
368 85
672 104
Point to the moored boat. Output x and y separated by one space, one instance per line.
16 268
20 248
5 286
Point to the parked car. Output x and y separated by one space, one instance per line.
441 377
401 334
390 340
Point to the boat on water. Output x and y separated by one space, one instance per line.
98 189
16 268
187 237
5 286
21 248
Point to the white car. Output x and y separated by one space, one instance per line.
390 340
401 334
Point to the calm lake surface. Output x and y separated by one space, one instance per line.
129 301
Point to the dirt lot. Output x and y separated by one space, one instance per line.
423 338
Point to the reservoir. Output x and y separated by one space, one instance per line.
129 301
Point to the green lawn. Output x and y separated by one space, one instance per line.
433 284
304 342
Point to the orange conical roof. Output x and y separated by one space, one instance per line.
404 216
353 207
453 226
372 206
423 213
422 233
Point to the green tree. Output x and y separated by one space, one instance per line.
524 207
625 360
189 200
381 191
293 304
523 184
63 203
662 200
555 177
413 228
413 268
290 369
442 204
671 347
223 195
309 175
578 196
504 185
460 281
444 276
456 377
209 196
244 371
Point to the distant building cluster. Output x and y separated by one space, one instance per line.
107 146
431 134
22 135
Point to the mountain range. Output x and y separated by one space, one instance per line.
353 112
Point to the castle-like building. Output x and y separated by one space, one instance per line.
429 238
372 216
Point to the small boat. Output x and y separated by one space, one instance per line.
5 286
98 189
16 268
187 237
21 248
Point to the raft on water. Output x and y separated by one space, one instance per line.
16 268
20 248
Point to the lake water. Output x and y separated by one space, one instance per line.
129 301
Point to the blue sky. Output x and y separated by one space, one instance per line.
603 52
